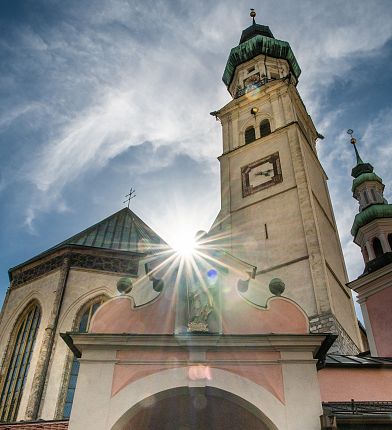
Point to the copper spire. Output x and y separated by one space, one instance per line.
353 141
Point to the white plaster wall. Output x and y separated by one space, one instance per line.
301 410
92 401
301 390
286 239
108 411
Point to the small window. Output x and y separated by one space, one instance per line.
373 193
390 240
377 247
265 128
252 69
250 135
275 75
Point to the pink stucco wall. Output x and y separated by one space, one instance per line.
266 373
269 376
119 315
344 384
281 316
379 307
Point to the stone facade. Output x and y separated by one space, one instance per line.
327 323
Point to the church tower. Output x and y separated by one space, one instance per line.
372 231
276 212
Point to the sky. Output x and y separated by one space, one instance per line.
100 96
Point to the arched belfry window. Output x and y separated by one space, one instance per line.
17 361
82 326
265 128
377 247
250 135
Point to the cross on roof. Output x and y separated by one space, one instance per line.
130 196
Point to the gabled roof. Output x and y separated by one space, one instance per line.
121 231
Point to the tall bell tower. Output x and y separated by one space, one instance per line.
276 212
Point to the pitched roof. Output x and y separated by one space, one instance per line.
337 360
121 231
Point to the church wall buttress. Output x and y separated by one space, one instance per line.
41 371
226 135
277 112
317 265
340 295
287 108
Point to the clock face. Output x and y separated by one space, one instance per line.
261 174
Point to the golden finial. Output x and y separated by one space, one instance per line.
351 132
253 15
354 141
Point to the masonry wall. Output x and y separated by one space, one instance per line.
42 290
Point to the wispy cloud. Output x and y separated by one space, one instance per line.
97 82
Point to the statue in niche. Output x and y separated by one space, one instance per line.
200 305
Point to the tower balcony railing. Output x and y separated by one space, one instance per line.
241 91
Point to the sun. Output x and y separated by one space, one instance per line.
184 244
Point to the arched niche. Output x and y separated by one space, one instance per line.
194 408
123 404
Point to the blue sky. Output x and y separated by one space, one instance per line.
99 96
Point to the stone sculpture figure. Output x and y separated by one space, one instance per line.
200 306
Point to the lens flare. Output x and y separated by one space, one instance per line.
185 244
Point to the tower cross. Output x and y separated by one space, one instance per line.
130 196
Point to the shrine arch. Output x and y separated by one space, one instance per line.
194 408
139 405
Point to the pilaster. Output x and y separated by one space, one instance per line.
41 369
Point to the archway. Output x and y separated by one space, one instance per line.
188 408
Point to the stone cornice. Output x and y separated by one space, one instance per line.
253 96
372 283
124 262
79 342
